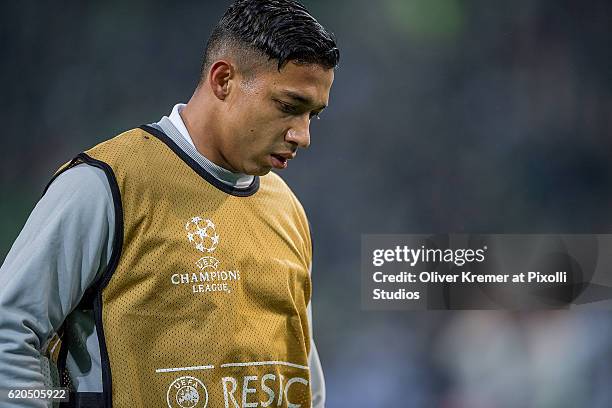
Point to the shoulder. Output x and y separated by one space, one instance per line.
291 205
276 183
275 180
82 191
87 180
122 144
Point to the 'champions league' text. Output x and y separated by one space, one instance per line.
217 281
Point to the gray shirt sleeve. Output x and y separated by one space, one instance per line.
317 381
64 245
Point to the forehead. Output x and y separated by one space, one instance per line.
310 80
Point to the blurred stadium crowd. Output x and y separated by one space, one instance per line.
445 116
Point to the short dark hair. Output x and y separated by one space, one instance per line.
282 30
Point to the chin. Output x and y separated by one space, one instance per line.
261 171
256 170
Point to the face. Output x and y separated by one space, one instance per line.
269 114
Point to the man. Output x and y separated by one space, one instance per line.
169 260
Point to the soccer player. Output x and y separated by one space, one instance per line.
168 266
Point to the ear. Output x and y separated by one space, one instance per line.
220 74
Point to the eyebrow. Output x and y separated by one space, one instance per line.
301 99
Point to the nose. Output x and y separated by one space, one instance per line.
299 135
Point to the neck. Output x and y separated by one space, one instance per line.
198 117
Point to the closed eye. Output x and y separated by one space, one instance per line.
295 110
286 107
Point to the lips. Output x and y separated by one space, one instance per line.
278 161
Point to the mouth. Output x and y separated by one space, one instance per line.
280 160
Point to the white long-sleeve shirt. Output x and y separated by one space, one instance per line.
64 246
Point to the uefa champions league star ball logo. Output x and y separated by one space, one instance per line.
187 397
187 392
202 233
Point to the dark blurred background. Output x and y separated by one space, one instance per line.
445 116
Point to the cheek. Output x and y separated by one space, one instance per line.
255 127
243 112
